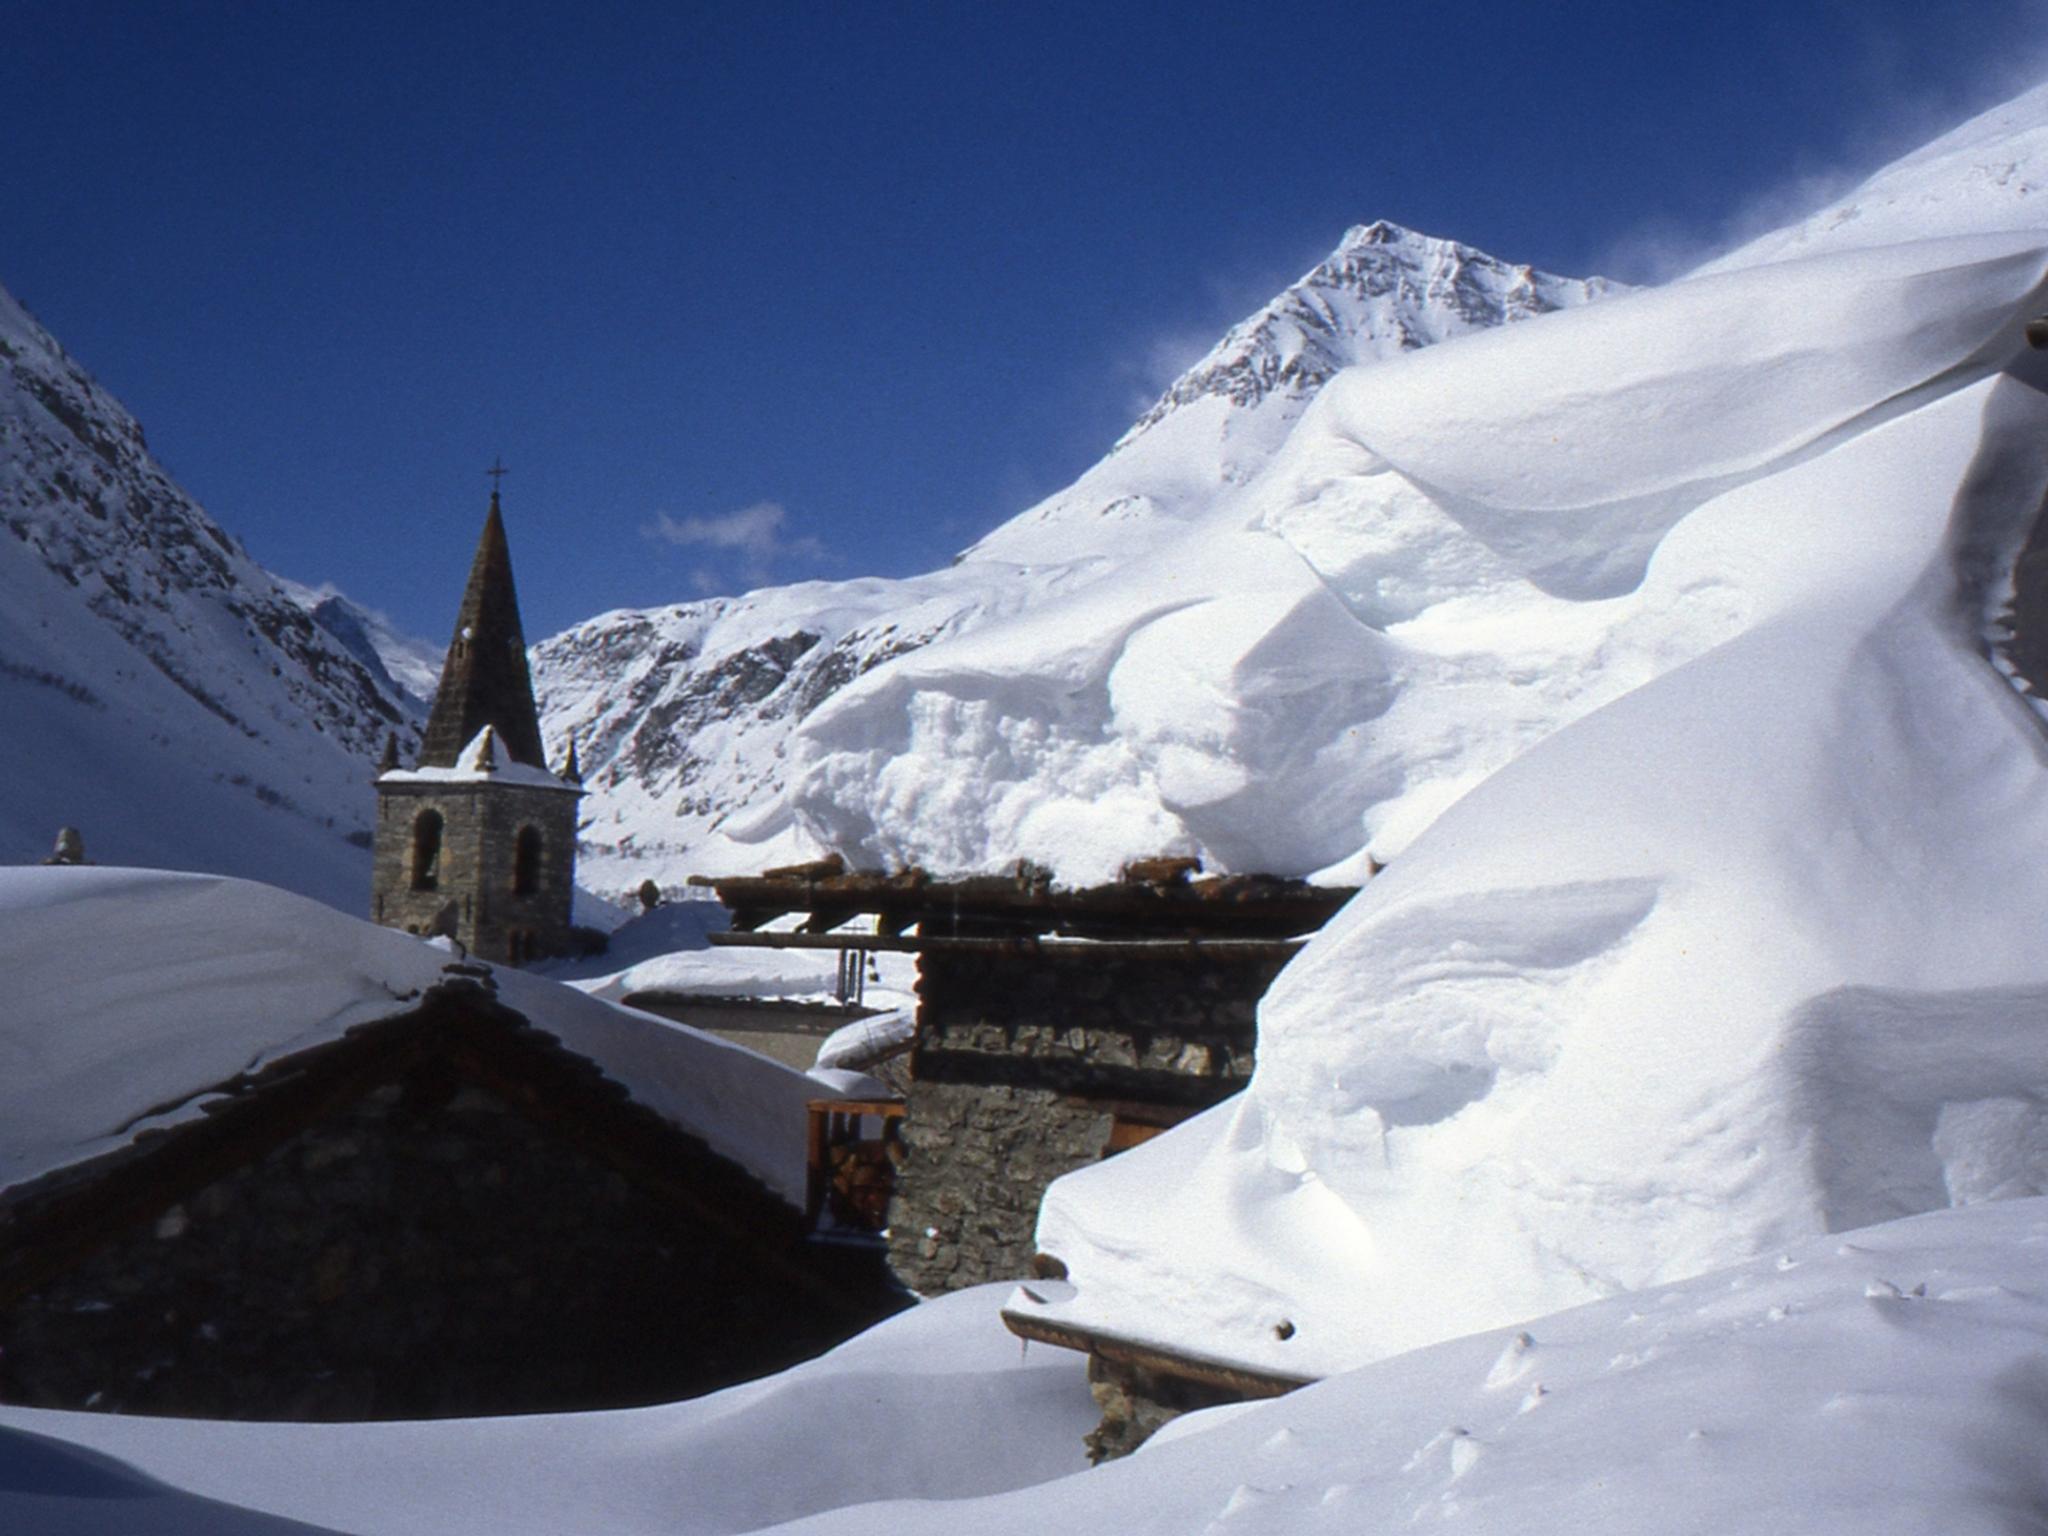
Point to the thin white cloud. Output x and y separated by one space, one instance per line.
756 535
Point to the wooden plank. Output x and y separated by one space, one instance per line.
887 1109
1169 903
1021 944
1126 1134
1246 1380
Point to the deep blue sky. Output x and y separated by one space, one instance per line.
898 270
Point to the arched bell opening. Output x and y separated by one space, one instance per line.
526 862
426 851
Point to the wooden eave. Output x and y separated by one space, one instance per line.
993 906
1245 1380
1163 949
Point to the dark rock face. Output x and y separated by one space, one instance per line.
1025 1061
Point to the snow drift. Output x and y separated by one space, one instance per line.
1743 954
1890 1382
979 724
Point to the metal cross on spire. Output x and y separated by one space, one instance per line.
497 471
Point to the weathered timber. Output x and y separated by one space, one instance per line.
1168 951
1141 1387
1245 1381
1000 905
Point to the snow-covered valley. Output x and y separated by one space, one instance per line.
1656 1144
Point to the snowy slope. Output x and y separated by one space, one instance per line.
1306 664
682 716
1744 954
1891 1382
162 692
1989 174
1736 951
689 719
1384 291
936 1403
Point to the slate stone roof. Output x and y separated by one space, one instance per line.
485 681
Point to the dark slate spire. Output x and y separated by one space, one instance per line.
484 681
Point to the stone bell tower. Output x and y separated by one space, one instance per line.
478 840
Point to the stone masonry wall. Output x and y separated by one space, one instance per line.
1023 1060
480 830
423 1250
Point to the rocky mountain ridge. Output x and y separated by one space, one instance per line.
164 692
1383 291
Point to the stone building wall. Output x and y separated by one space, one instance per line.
1025 1058
424 1249
479 838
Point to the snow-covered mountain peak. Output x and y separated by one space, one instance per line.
408 664
685 717
1385 289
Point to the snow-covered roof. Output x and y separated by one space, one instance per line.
484 760
133 992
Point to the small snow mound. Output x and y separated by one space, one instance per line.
1514 1363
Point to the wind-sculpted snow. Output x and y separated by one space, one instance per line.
1989 174
162 691
1384 292
1656 640
1742 955
690 721
1445 564
1186 695
1571 449
936 1403
1295 665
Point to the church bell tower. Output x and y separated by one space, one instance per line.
478 840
